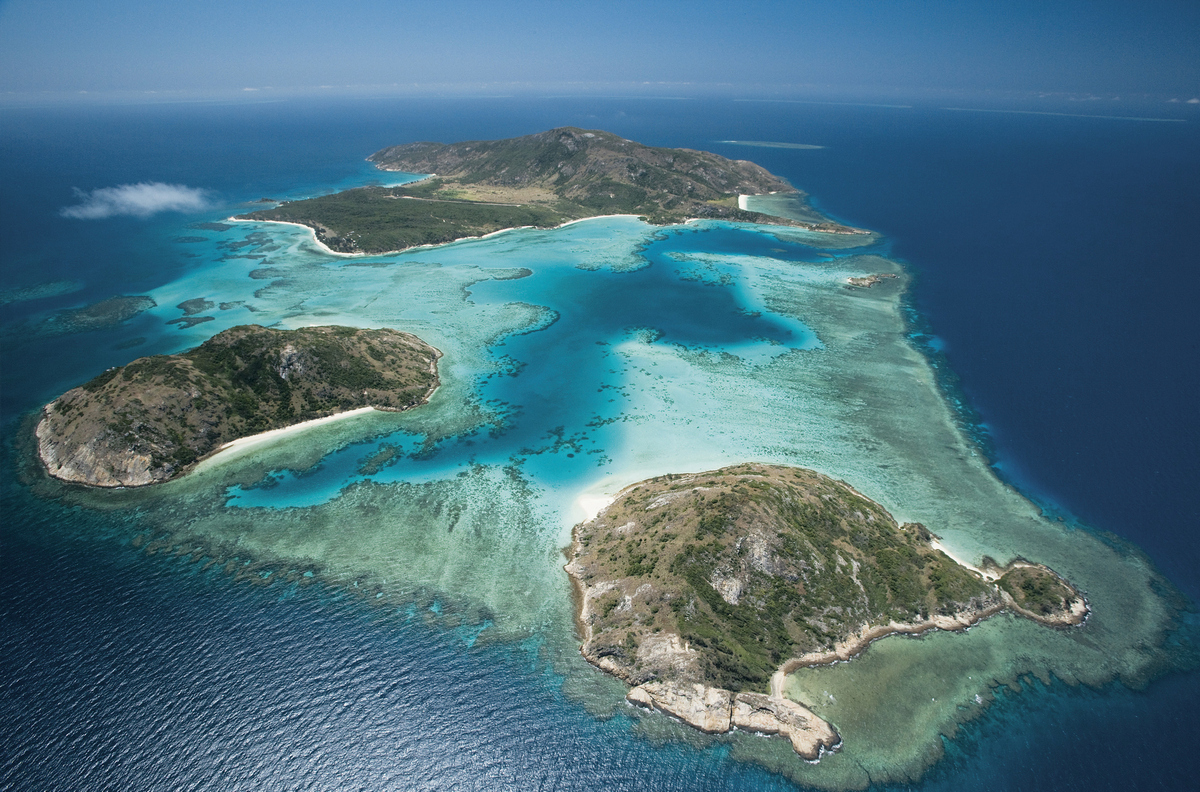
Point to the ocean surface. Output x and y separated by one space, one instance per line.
296 617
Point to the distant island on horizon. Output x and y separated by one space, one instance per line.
542 181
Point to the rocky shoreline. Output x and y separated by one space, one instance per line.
854 645
712 710
718 711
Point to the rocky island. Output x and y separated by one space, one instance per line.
154 418
541 180
703 591
867 281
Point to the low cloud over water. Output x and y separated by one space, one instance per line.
138 200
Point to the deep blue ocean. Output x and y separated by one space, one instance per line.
1055 265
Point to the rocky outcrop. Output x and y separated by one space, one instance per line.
707 709
1075 612
94 462
808 734
717 711
867 281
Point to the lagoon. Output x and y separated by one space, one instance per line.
627 351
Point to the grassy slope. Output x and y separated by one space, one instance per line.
755 564
378 220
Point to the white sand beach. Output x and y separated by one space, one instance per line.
312 232
261 438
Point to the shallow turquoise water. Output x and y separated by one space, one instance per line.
628 351
560 389
582 359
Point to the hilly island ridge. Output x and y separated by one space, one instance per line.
153 419
703 591
543 180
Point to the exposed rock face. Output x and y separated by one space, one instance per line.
868 281
708 709
717 711
1076 612
93 462
290 362
776 715
749 566
154 418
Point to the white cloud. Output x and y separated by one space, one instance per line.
139 200
1193 101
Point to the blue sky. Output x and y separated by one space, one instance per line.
1101 47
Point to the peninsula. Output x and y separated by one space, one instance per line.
154 418
703 591
541 180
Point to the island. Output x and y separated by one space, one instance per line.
704 591
543 180
155 418
96 316
867 281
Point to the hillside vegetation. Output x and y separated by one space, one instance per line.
719 578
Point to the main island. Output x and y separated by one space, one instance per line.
479 187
